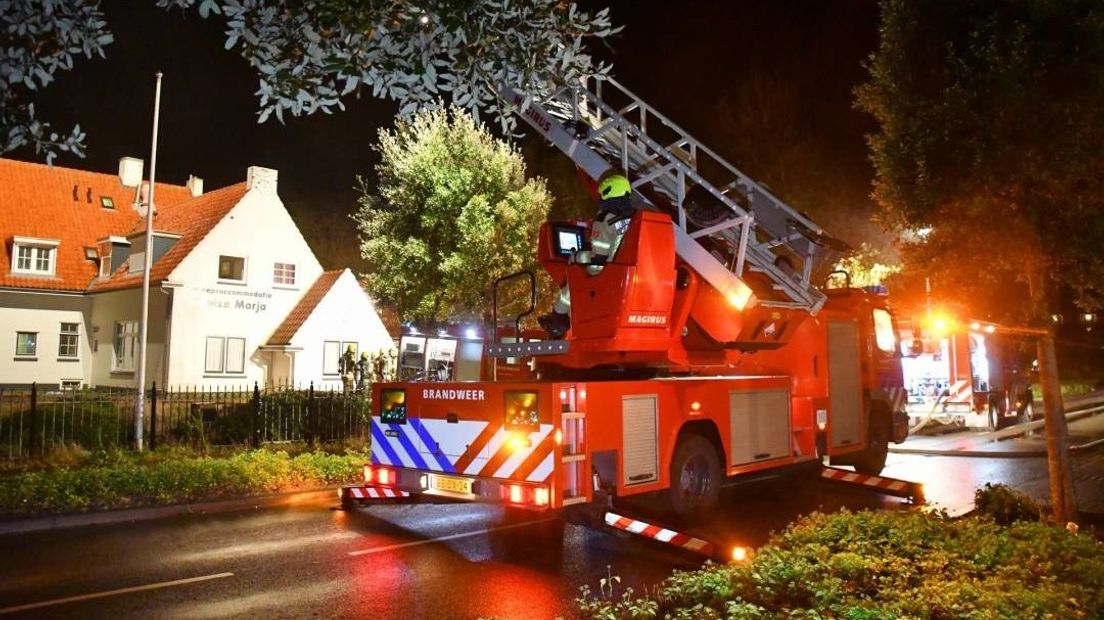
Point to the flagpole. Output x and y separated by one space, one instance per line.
143 325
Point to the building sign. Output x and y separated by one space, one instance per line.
236 299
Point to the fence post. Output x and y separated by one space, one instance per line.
153 417
255 435
34 418
310 413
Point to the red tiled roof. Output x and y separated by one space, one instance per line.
298 315
192 220
37 200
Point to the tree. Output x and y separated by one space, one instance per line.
990 136
454 211
313 56
38 38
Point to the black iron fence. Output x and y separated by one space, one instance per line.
33 422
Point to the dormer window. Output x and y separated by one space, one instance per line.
34 256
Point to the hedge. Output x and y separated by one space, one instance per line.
125 480
885 565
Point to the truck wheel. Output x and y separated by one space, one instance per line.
873 459
695 477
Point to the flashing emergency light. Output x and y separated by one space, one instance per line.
368 474
471 333
540 497
695 406
558 437
975 326
990 329
515 493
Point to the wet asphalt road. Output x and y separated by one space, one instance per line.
418 561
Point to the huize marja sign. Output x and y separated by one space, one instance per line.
250 301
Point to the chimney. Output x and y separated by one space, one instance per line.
130 171
195 185
261 179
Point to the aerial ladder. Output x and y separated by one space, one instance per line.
597 121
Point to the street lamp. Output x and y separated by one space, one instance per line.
147 263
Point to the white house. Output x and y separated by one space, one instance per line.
236 294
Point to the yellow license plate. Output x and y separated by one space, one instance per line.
452 485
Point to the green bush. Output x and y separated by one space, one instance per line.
118 479
881 565
1004 505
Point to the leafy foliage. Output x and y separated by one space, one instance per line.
38 38
119 479
885 565
313 56
868 266
454 211
1004 505
990 135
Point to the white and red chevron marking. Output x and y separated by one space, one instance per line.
961 392
374 492
661 534
890 486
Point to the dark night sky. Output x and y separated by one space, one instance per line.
695 61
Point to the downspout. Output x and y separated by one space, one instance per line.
165 357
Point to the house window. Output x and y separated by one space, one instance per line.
231 268
331 352
225 355
235 355
26 344
107 202
36 257
68 340
283 273
125 346
215 354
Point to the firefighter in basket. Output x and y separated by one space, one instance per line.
615 209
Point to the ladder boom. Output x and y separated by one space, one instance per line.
747 227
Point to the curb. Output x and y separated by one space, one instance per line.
129 515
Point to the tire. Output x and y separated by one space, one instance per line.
873 459
695 477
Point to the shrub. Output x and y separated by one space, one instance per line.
889 565
1004 505
118 479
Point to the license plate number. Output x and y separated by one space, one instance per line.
452 485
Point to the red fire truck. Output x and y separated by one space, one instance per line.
703 349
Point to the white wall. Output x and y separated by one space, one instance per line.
42 313
259 229
126 305
345 314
